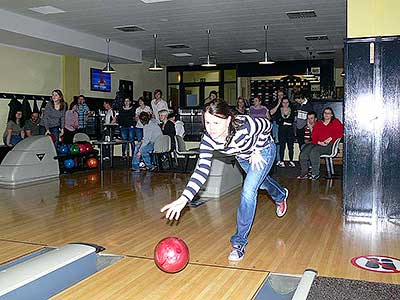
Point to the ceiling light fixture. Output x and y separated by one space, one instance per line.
208 63
266 61
108 69
248 51
309 74
155 66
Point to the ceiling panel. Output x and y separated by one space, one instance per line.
234 24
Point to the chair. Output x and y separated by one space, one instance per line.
162 145
329 159
81 137
180 149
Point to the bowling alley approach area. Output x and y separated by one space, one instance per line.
119 210
200 150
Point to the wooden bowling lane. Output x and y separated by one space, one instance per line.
133 278
12 250
120 210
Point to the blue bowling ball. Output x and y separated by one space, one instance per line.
69 163
64 149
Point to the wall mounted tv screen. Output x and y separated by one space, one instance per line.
100 81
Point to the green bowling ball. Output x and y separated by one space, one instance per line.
74 149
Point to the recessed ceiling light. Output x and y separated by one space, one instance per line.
191 64
47 10
153 1
323 52
301 14
129 28
247 51
183 54
176 46
317 37
164 20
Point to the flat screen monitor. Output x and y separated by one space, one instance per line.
100 81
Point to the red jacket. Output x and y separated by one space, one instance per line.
321 132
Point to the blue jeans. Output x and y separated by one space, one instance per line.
146 156
56 132
128 134
248 199
275 130
139 134
15 139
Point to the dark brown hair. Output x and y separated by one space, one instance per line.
144 117
333 114
157 91
221 109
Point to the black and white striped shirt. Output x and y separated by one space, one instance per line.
253 134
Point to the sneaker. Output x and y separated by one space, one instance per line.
281 207
305 176
291 164
236 254
281 164
135 170
314 177
153 168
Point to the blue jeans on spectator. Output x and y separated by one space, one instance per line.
15 139
56 132
254 180
128 134
139 134
275 130
146 156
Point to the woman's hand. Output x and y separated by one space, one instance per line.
47 132
174 208
61 131
257 161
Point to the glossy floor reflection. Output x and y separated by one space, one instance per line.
119 210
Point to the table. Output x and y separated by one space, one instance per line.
102 145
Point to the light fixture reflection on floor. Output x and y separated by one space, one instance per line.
108 69
155 66
266 61
208 63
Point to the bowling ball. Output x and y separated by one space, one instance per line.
171 255
64 149
89 148
53 137
92 162
69 163
82 148
74 149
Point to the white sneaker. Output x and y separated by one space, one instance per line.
291 164
236 254
281 164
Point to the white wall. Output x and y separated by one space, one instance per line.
143 80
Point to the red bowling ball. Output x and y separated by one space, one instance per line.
171 255
82 148
88 148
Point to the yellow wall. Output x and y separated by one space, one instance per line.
367 18
71 82
143 80
27 72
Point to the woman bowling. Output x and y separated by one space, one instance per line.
251 142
